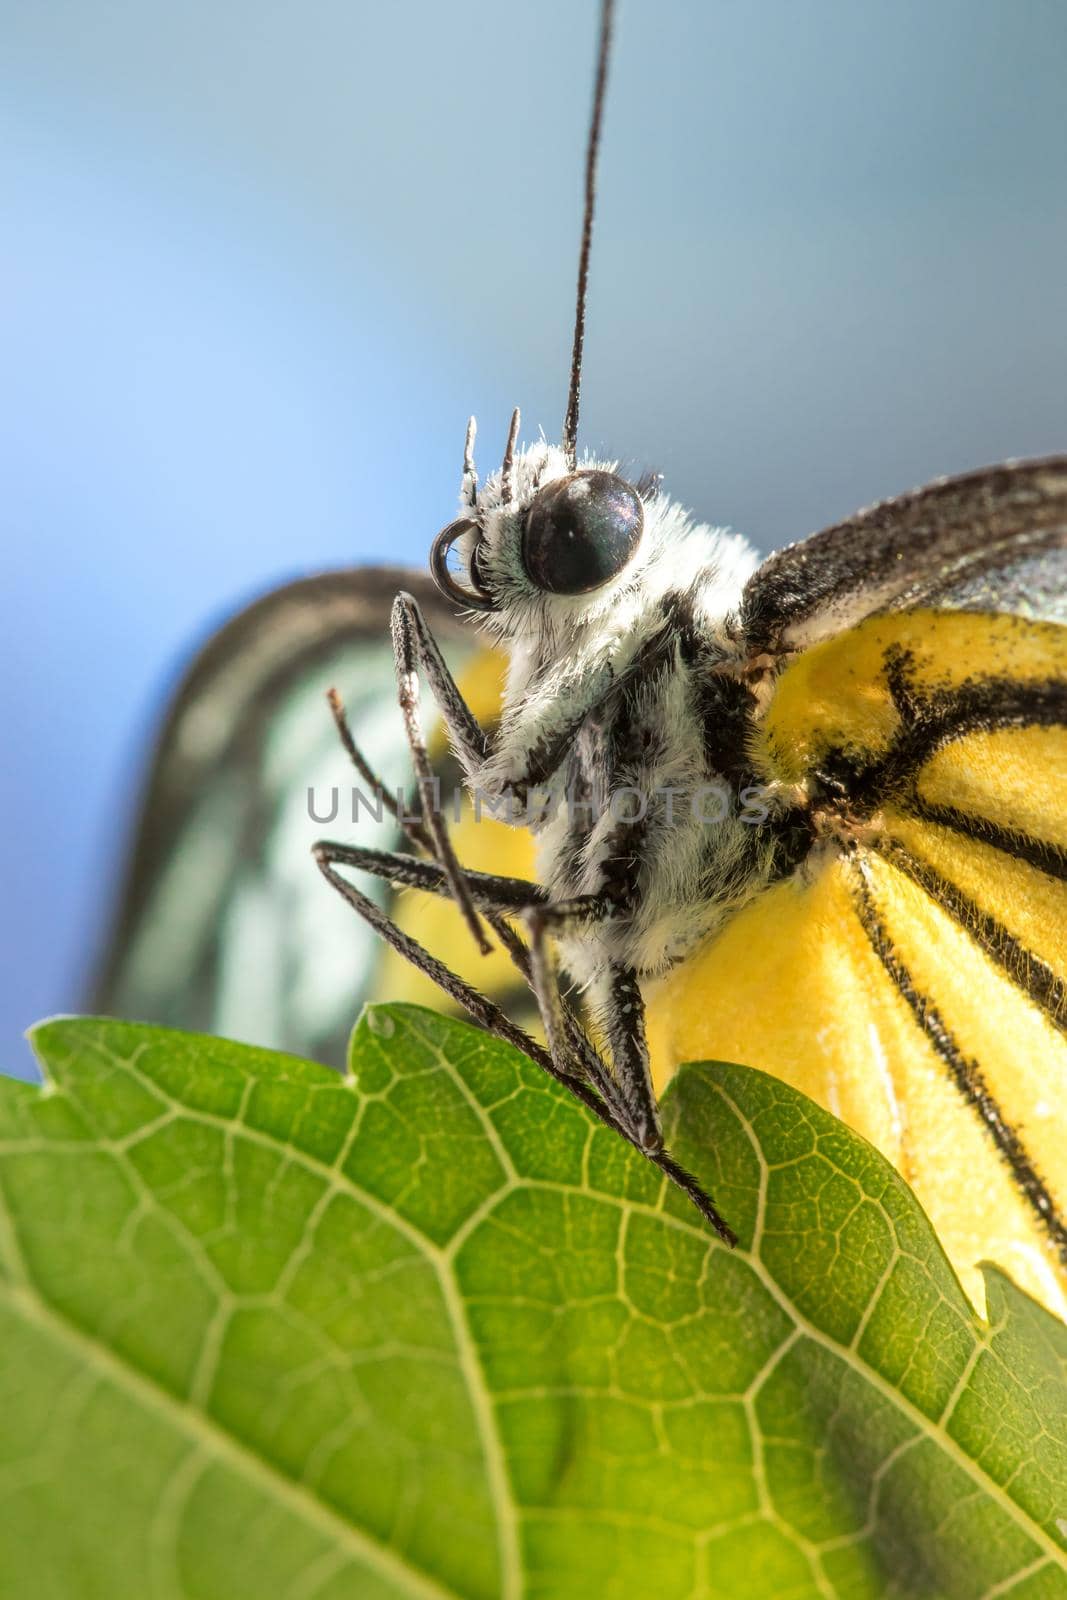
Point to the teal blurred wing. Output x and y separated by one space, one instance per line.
223 923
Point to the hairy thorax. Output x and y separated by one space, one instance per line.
636 813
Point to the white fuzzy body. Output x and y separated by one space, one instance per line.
607 692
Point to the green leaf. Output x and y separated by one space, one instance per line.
429 1332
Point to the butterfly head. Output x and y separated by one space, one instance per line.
545 538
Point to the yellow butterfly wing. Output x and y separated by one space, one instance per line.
910 976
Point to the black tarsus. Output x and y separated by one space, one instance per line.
628 1043
412 828
484 1011
488 891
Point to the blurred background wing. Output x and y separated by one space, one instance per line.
223 922
912 974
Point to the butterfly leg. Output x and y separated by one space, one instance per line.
495 895
617 999
624 1020
484 1011
489 891
593 1083
622 1011
415 646
632 1097
498 897
418 835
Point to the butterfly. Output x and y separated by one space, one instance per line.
806 814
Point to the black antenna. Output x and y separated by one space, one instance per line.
570 421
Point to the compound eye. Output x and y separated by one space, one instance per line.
580 532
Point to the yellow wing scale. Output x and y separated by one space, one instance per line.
837 695
1028 904
788 986
1014 778
793 984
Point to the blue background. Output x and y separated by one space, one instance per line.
262 259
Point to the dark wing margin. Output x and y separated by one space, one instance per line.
978 542
215 737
